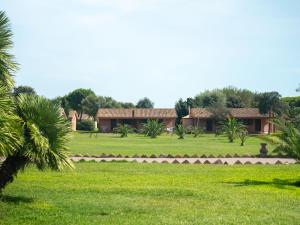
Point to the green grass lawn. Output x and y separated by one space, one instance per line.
140 194
82 143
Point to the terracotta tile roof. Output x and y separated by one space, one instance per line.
247 113
136 113
155 113
114 113
234 112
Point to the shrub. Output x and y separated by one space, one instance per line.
153 128
123 130
243 136
232 128
196 131
87 125
180 131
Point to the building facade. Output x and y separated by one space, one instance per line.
250 117
108 119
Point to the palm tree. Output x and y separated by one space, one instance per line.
123 130
153 128
7 64
232 128
180 131
9 124
9 134
289 138
44 139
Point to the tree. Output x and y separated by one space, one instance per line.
145 103
127 105
234 101
180 131
7 61
289 137
153 128
243 134
209 98
182 110
219 115
44 141
108 102
75 98
9 129
269 103
232 128
90 106
123 130
24 90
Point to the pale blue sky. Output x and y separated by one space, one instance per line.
162 49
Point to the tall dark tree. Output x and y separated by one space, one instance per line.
24 90
270 103
75 98
90 105
145 103
182 110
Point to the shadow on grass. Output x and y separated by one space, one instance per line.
15 199
279 183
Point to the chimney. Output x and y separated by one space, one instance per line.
189 110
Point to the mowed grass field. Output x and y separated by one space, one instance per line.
82 143
154 194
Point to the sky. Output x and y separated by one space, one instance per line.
162 49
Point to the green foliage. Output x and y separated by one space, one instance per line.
90 105
145 103
24 90
153 128
127 105
180 131
75 98
232 128
269 102
87 125
123 130
181 108
289 137
210 98
45 134
196 131
10 130
243 134
293 102
7 61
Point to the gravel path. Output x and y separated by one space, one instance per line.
229 161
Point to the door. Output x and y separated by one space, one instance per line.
257 125
209 125
113 124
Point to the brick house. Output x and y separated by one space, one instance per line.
251 117
108 119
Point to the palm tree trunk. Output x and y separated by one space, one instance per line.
9 169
